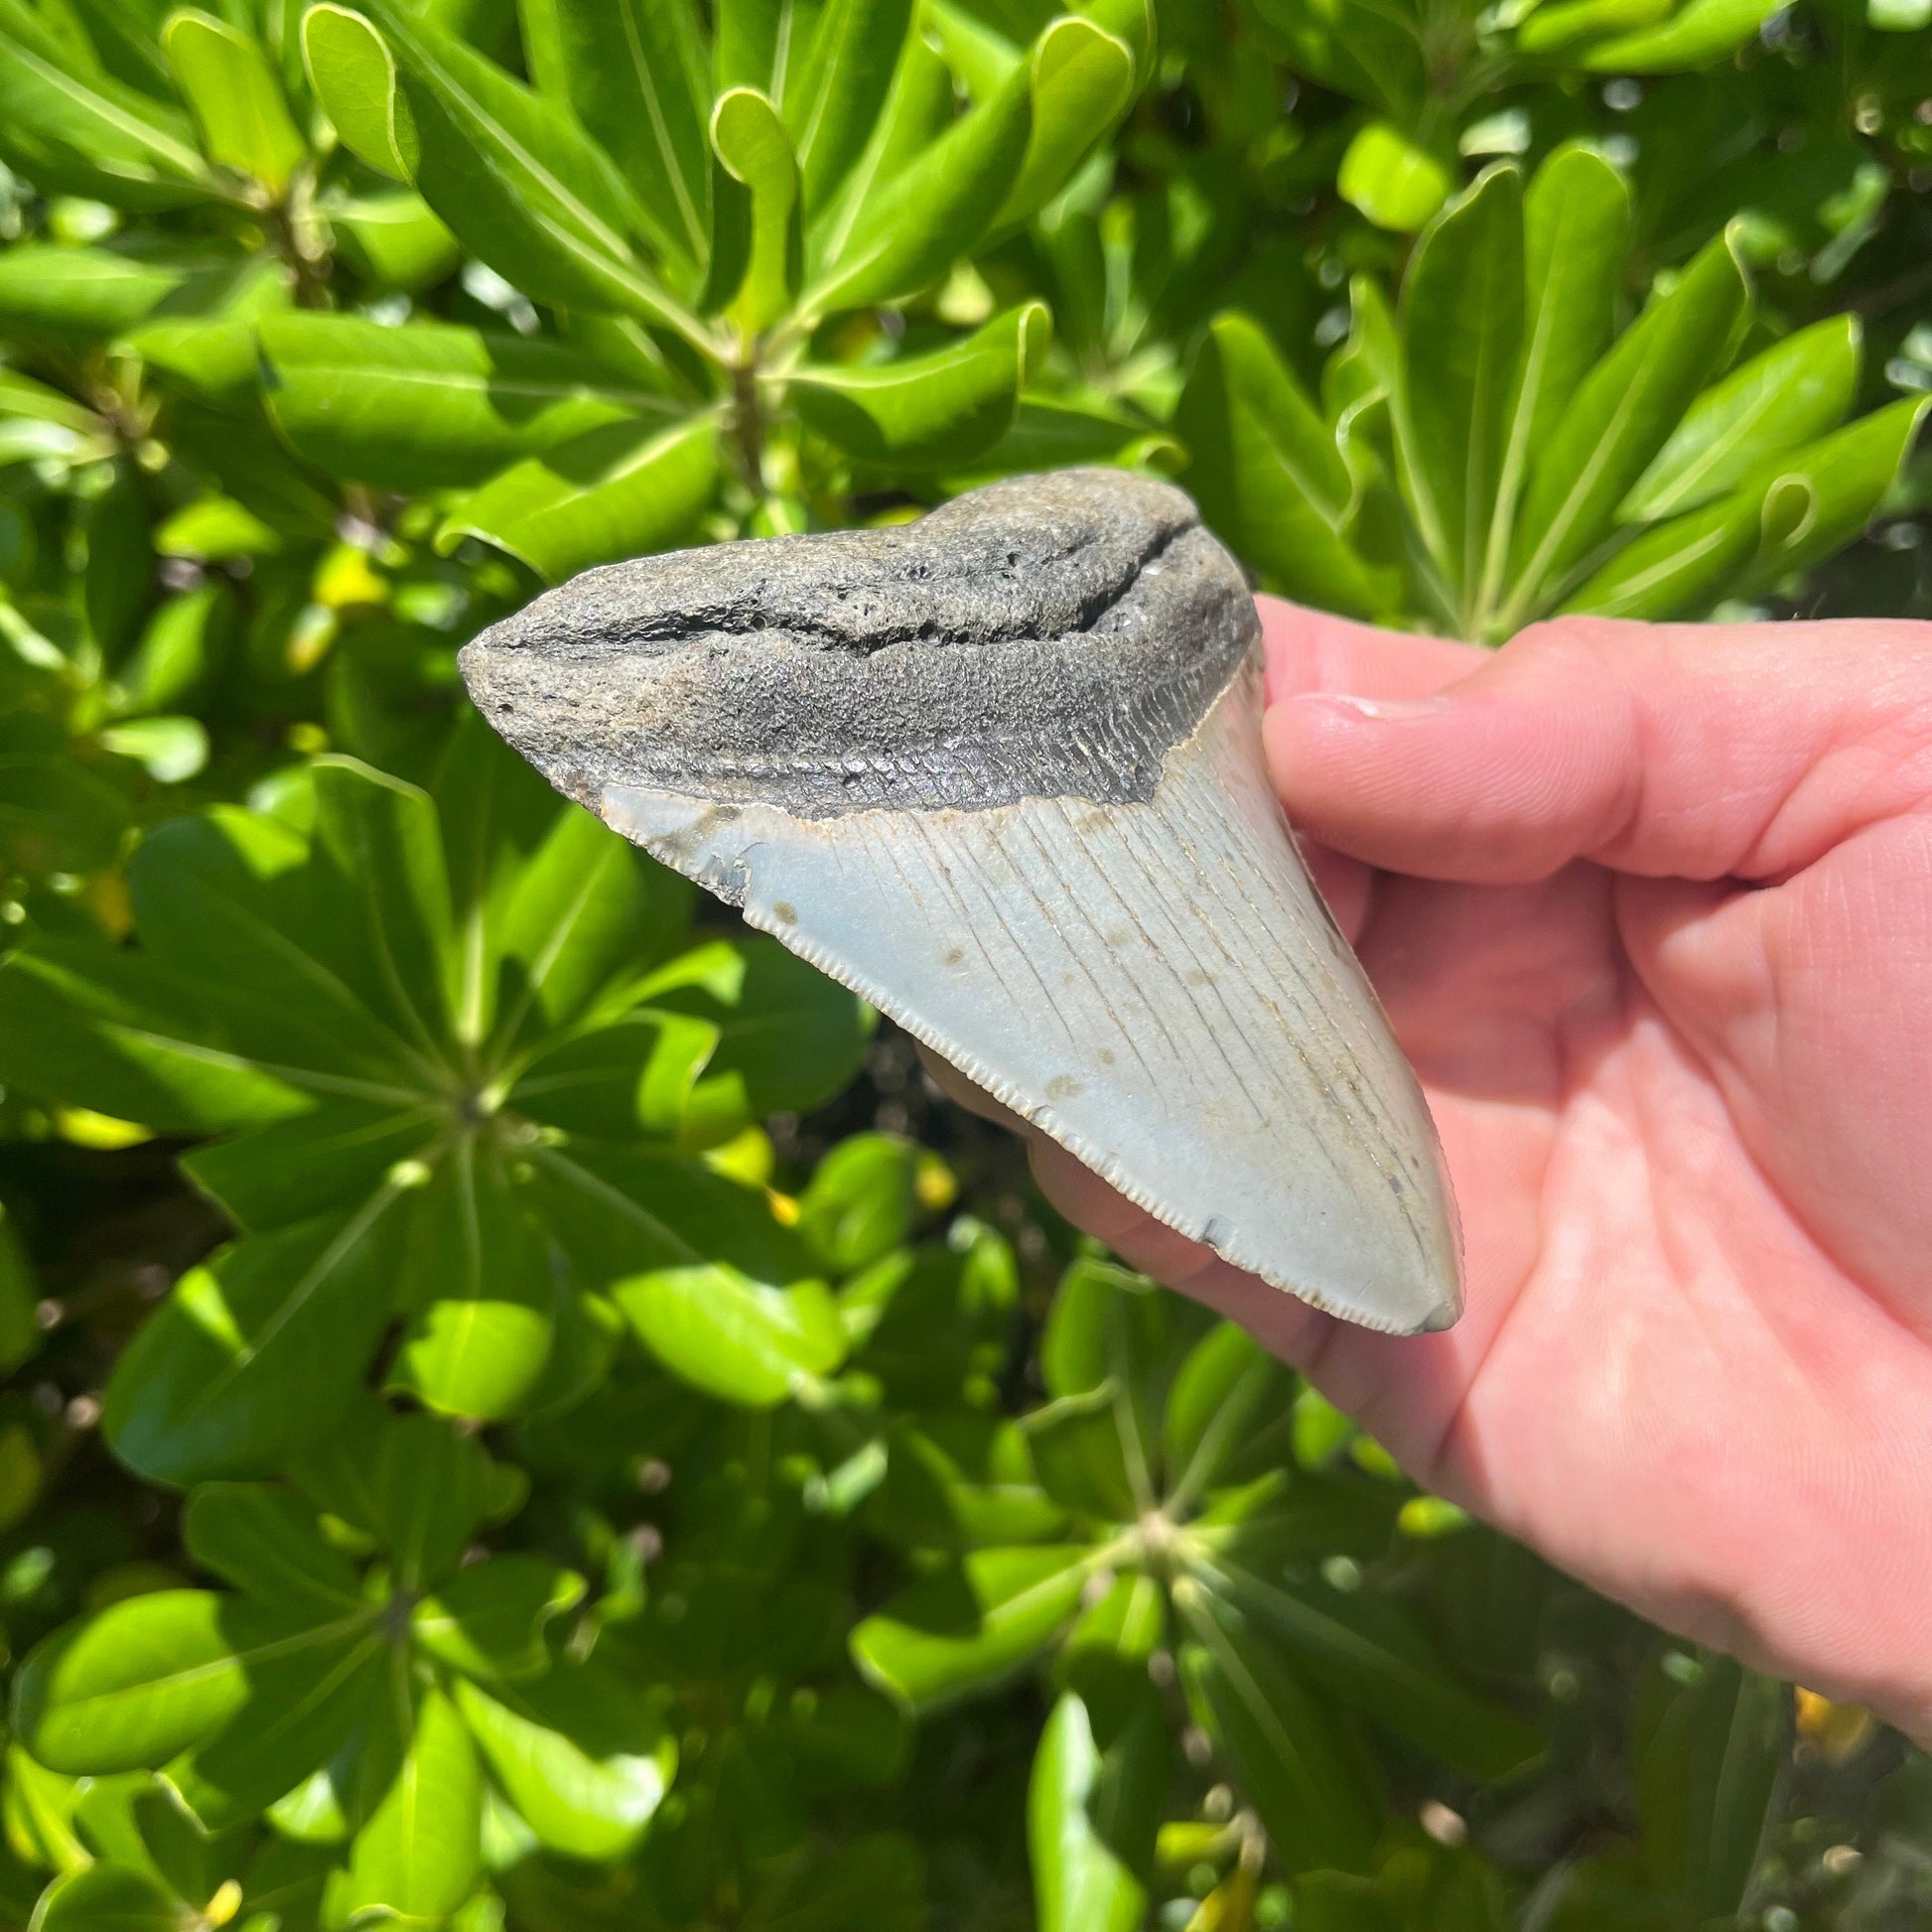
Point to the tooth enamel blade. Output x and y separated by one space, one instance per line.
1000 772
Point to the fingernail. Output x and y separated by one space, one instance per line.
1383 709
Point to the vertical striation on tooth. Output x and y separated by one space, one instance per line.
999 771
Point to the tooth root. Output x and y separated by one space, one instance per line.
999 771
1156 985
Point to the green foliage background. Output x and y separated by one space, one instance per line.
522 1411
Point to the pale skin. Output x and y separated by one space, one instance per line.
1650 908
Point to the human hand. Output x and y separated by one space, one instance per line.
1650 908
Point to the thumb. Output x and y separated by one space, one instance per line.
1694 751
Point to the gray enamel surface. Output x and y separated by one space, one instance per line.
1046 636
1156 985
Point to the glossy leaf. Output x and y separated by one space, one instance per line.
1080 1881
478 1337
611 493
255 1352
420 1853
1777 401
586 1800
1384 1663
970 1628
1297 1767
833 95
1575 231
1622 414
1082 78
1462 319
756 240
487 1620
1266 470
237 98
929 411
925 218
632 71
429 404
355 76
1705 1777
138 1682
1394 182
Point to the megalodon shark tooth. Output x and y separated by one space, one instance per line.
999 771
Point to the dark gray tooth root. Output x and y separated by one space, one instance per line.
999 771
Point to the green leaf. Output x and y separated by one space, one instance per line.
1706 1776
1620 417
967 1630
1088 1457
582 910
20 1330
76 129
268 1543
224 900
420 1854
428 1493
355 77
177 652
479 1336
81 295
918 223
104 1031
517 180
1845 476
918 111
956 1481
1082 78
1697 36
237 101
131 1687
929 411
1081 1883
617 492
1219 1391
395 240
632 73
1266 472
487 1620
834 95
1397 184
429 404
756 240
1462 319
1778 401
584 1762
1369 1650
323 1161
1295 1764
761 43
381 849
1551 29
784 1037
1680 567
254 1353
738 1339
108 1899
1575 231
311 1687
861 1202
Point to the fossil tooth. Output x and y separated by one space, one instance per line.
999 771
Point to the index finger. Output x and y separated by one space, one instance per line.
1314 651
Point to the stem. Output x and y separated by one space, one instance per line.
748 420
